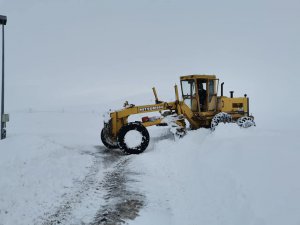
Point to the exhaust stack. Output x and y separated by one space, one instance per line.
222 89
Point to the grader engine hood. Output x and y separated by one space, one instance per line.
234 105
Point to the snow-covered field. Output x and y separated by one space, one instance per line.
69 61
230 176
43 159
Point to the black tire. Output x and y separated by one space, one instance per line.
145 138
246 122
221 117
106 139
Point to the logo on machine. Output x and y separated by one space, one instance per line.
153 108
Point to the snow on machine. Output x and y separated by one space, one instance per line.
200 106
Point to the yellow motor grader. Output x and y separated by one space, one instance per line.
200 106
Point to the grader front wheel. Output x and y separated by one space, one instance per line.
106 140
133 138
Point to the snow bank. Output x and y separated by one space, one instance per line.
231 176
40 160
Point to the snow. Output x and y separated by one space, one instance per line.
41 160
231 176
63 74
133 139
106 117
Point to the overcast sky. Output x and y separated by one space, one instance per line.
68 52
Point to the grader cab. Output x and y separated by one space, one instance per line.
200 106
199 93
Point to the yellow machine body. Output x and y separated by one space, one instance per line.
199 104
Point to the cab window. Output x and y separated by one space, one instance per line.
211 89
188 91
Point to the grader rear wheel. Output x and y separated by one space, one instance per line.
133 138
246 122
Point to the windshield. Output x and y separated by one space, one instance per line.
188 91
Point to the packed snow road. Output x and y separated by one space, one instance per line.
102 195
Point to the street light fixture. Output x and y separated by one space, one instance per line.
4 117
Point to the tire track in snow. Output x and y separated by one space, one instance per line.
106 185
107 182
85 188
121 202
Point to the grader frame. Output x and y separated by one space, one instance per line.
199 106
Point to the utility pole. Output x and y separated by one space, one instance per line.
4 117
